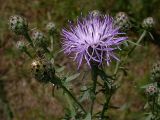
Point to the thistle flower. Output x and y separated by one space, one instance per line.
94 39
42 70
122 21
155 72
151 90
51 27
18 24
148 23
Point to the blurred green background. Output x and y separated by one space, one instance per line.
22 98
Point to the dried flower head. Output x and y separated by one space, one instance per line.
122 21
51 27
42 70
155 72
148 23
94 38
151 90
18 24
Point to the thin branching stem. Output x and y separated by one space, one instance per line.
28 53
28 38
129 53
58 80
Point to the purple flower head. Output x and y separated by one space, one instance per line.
93 38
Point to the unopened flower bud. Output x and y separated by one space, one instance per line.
38 36
122 21
40 39
148 23
155 72
18 24
151 90
20 45
42 70
95 13
51 27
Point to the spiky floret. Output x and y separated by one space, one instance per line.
93 38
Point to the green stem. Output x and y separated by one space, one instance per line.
46 49
58 80
106 106
28 53
139 40
70 95
52 43
28 38
117 67
94 78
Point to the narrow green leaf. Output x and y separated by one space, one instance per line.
133 43
72 77
60 69
88 117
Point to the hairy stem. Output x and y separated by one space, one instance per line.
25 50
52 43
28 38
105 106
58 80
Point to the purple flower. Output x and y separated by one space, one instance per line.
93 38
